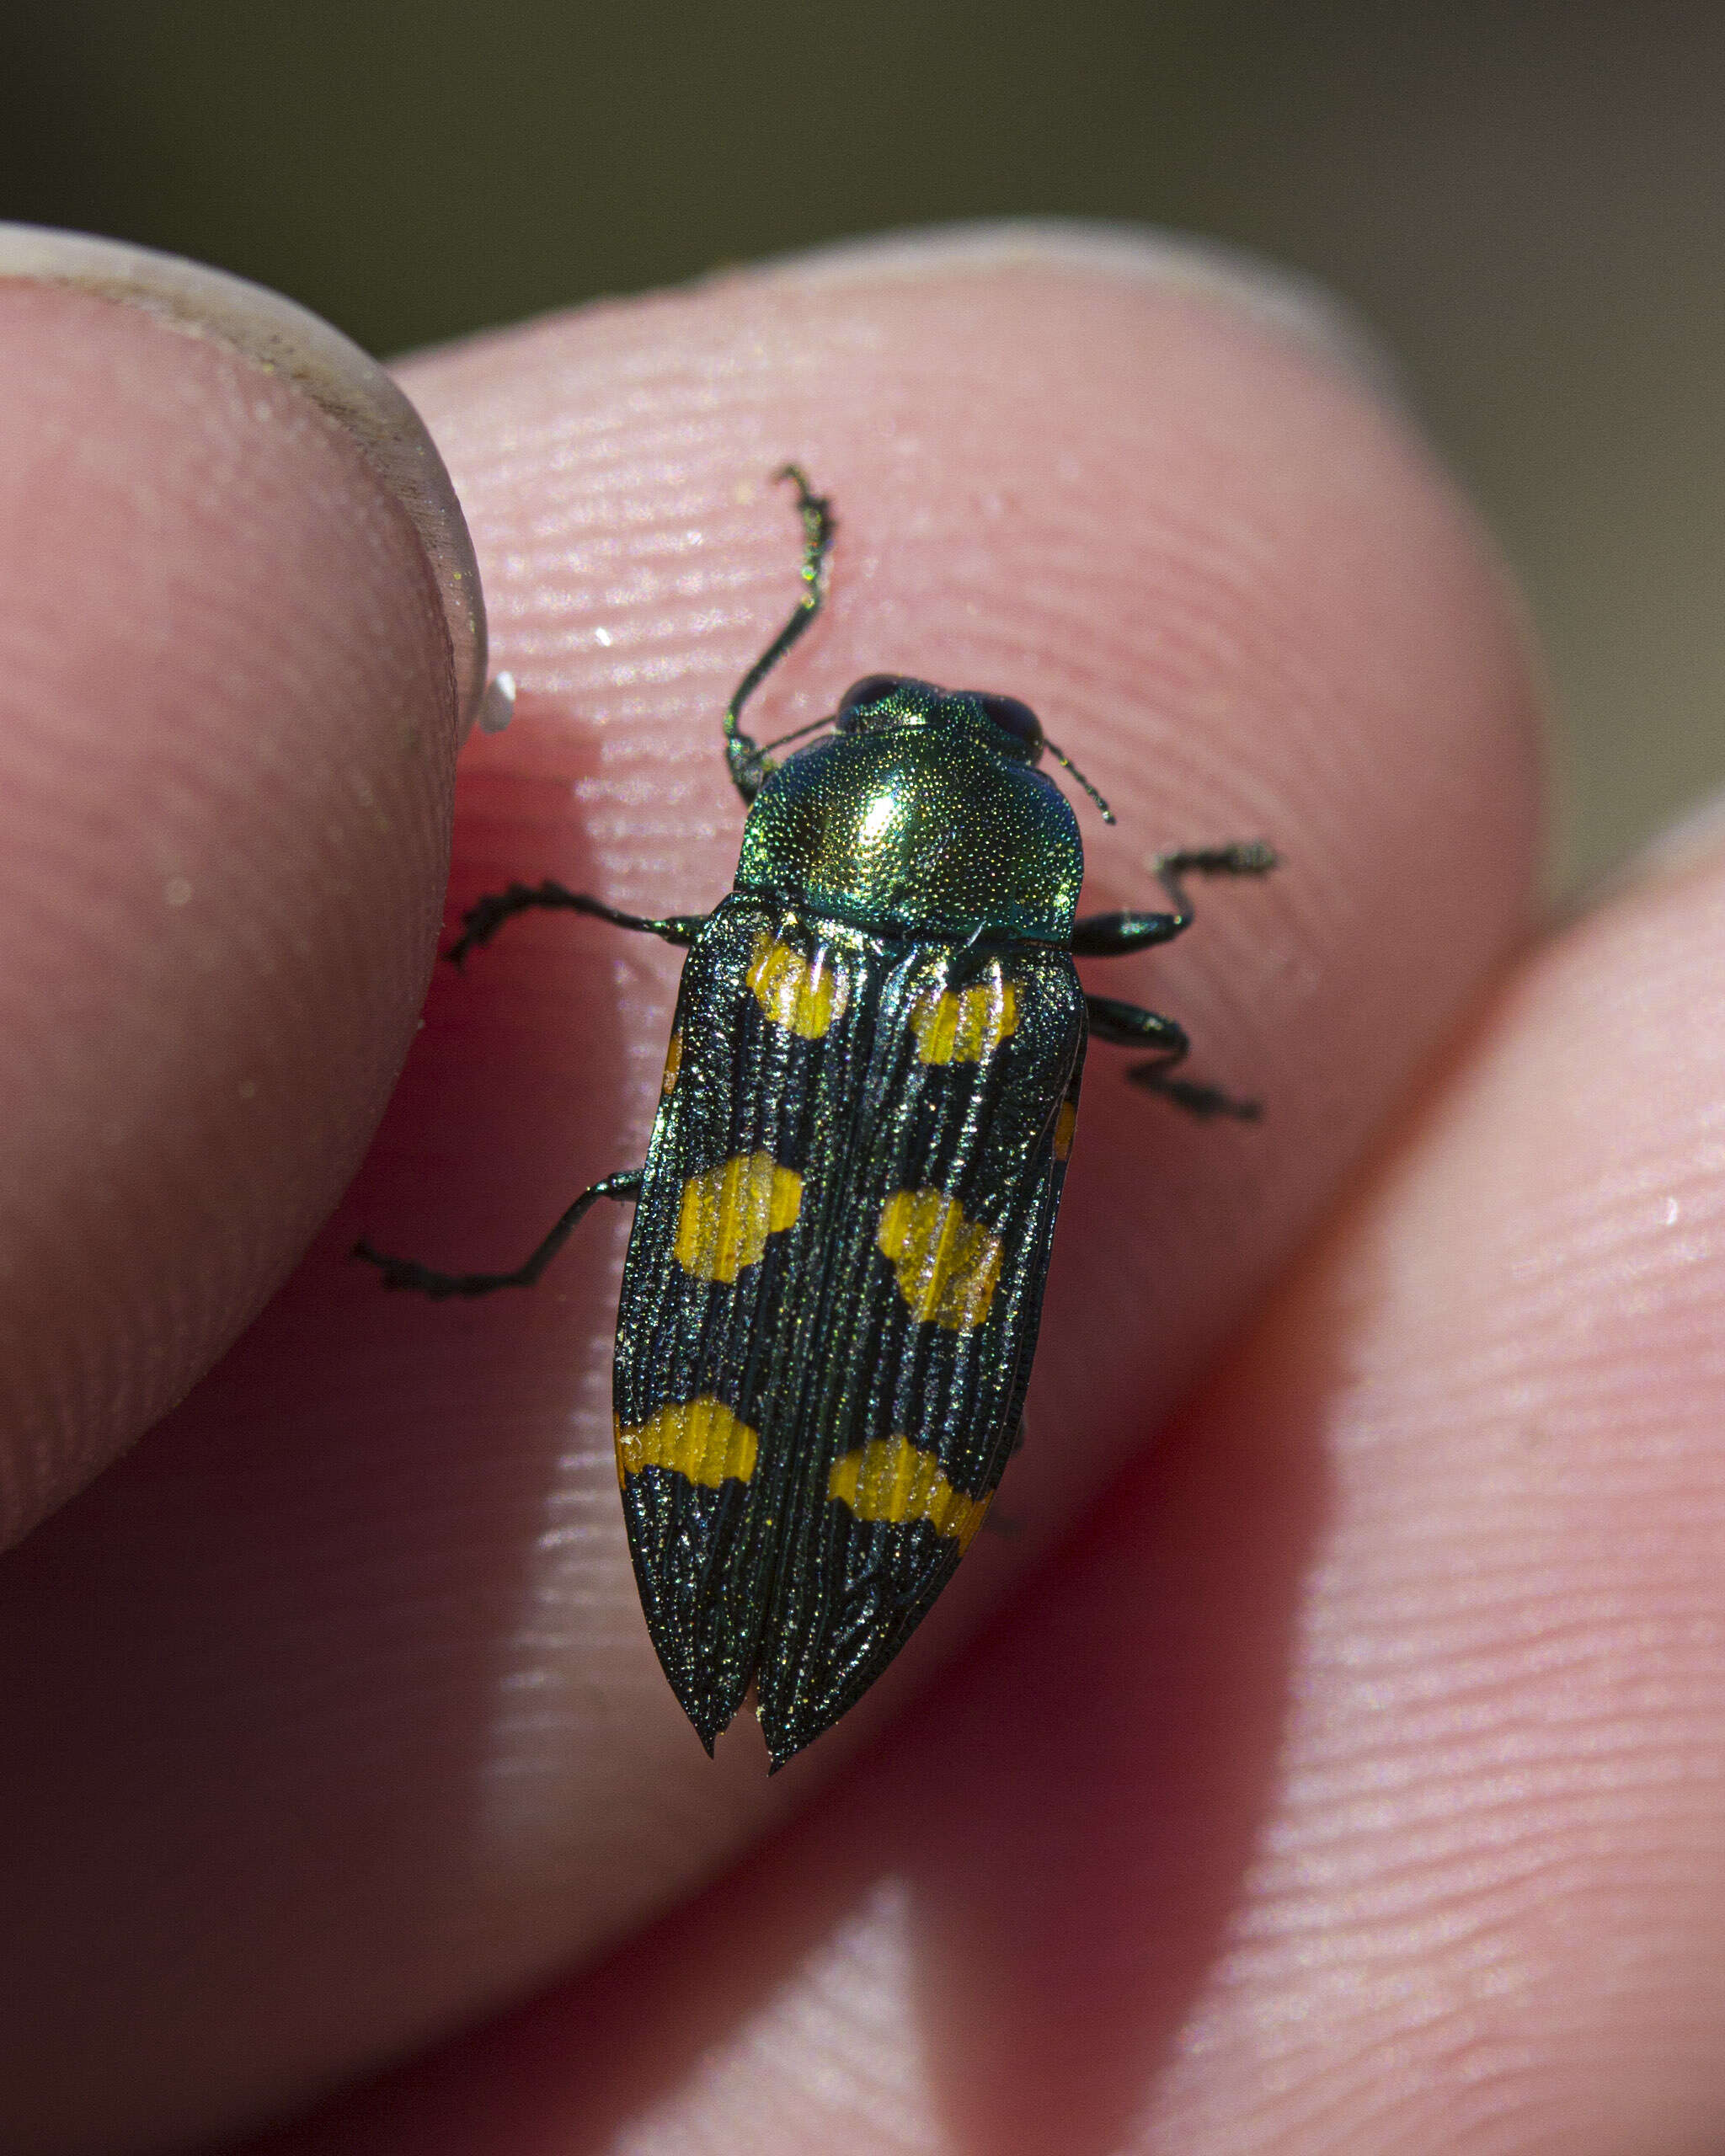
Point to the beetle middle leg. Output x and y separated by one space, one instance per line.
408 1273
486 915
1127 1025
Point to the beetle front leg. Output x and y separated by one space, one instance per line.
749 763
1115 935
1118 935
486 915
1126 1025
408 1273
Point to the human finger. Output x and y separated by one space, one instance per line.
232 629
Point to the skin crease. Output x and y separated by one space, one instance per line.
1338 1773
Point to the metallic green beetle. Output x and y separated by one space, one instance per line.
831 1299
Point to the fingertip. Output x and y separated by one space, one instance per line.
329 370
230 713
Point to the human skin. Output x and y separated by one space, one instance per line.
1328 1756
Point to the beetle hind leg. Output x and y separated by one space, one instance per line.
422 1280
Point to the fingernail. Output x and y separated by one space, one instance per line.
343 382
1279 300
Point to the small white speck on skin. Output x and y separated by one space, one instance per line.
497 706
177 891
602 636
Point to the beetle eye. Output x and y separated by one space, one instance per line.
1015 719
872 689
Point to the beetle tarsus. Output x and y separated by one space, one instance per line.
1239 857
1206 1102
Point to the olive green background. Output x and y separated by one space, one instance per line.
1528 201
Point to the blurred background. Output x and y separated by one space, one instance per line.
1527 201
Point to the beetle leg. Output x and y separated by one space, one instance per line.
750 765
407 1273
1113 934
486 915
1125 1025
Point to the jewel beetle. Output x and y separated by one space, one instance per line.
831 1294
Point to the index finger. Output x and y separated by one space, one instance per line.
1246 601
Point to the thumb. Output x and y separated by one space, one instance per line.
238 630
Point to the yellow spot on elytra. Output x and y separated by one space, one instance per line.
1065 1123
729 1212
893 1480
966 1025
700 1438
802 994
673 1064
946 1266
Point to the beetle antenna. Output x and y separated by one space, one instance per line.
1066 764
796 733
743 756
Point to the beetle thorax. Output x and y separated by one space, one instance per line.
928 826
